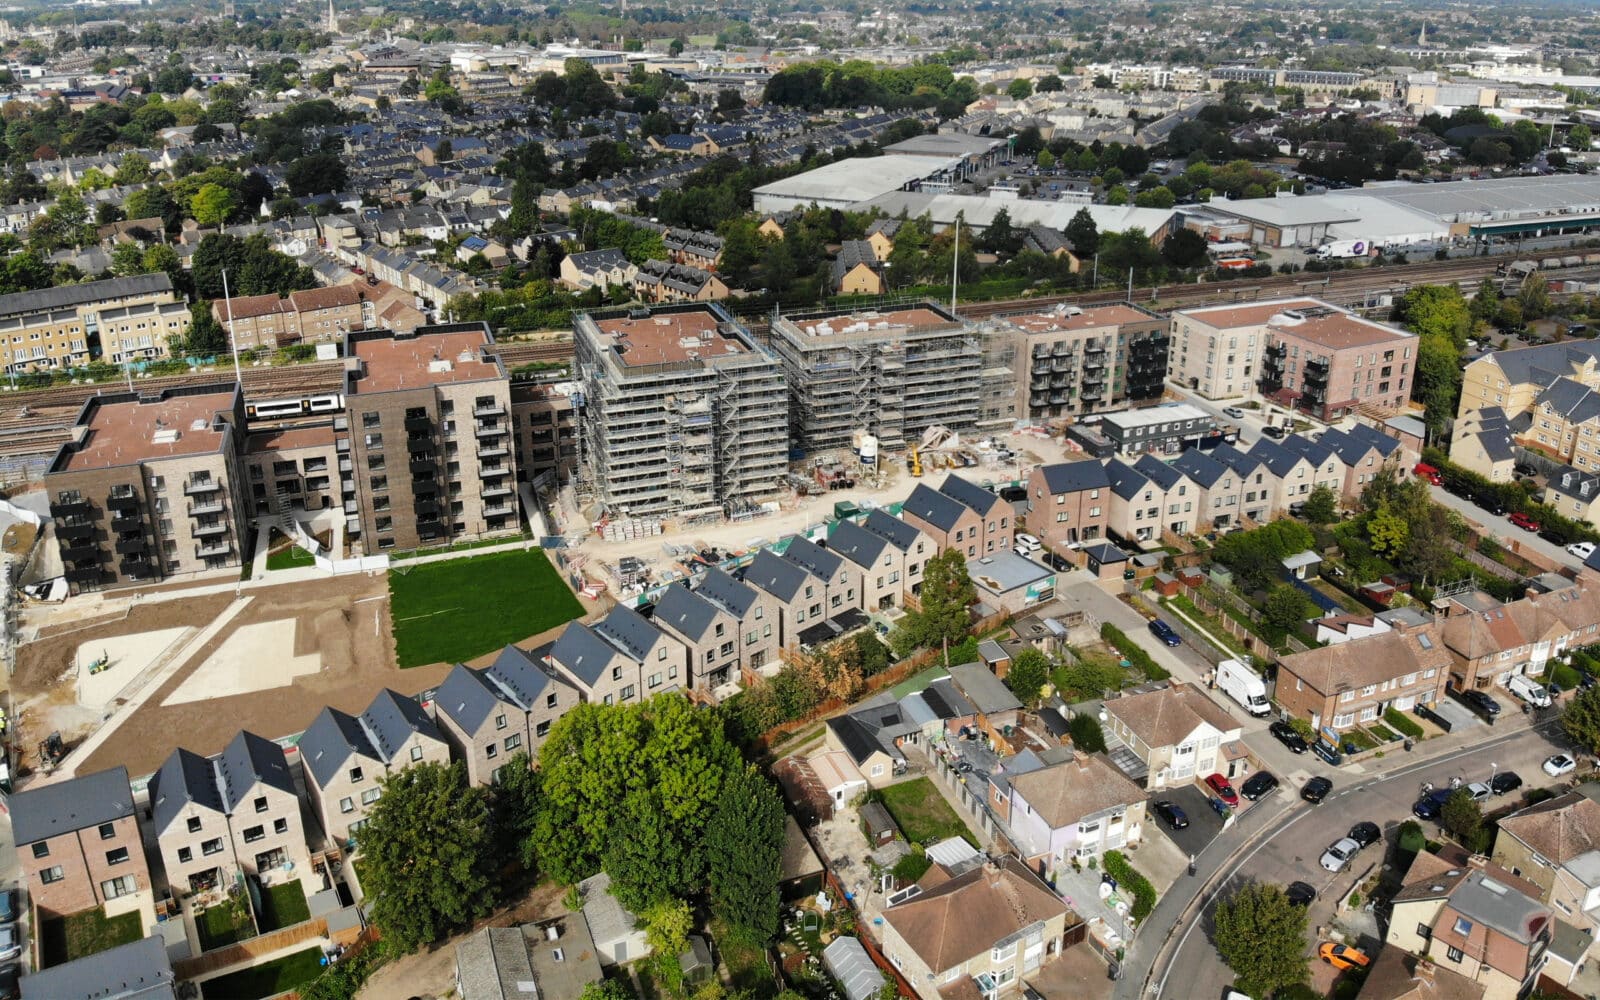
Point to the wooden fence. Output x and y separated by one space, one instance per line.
249 950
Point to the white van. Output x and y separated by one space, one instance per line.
1244 686
1529 690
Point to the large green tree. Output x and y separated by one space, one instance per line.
1262 937
1322 506
1462 816
1580 720
1028 674
947 593
427 854
1082 233
744 849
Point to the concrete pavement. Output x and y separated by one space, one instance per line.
1503 531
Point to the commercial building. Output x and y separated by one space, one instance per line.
893 373
1163 430
846 182
1068 361
429 425
60 327
150 486
683 413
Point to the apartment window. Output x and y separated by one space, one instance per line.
213 846
261 803
549 701
383 523
194 824
661 654
627 692
50 875
347 805
107 831
356 776
500 722
542 730
654 681
280 825
41 850
185 855
492 751
370 420
513 741
1454 954
117 856
370 796
254 833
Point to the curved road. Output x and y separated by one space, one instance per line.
1280 839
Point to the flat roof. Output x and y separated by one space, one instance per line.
862 321
1493 198
979 210
1338 331
290 438
945 144
1156 415
668 338
855 179
427 358
123 432
1254 314
1303 210
1006 571
1087 319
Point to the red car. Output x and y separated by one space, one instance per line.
1224 791
1523 521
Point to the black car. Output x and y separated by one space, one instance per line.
1365 834
1057 563
1482 702
1288 736
1316 790
1505 781
8 906
1432 804
1327 753
1161 630
1276 432
1171 814
1257 785
1300 894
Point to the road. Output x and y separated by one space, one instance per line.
1282 842
1508 534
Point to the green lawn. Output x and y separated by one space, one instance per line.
446 612
922 813
283 906
223 925
63 939
282 555
267 979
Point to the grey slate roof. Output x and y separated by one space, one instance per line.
69 296
936 508
138 970
727 593
683 612
1545 363
582 653
75 804
1280 461
1579 485
248 761
628 632
970 494
185 777
590 261
900 534
1570 398
392 719
1498 905
466 697
1200 467
1385 444
857 544
331 740
813 558
520 678
1157 471
986 692
1075 477
1235 459
1316 452
775 575
1126 481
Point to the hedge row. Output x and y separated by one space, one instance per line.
1403 723
1512 496
1129 879
1132 652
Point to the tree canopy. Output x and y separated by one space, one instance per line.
947 593
1262 938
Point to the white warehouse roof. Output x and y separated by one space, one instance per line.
847 181
979 211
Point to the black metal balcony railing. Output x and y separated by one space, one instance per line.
74 530
419 422
70 506
129 546
423 463
127 522
122 500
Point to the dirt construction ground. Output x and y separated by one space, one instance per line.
337 620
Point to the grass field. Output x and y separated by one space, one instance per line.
87 933
922 813
283 906
446 612
267 979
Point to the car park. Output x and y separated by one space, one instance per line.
1558 764
1365 834
1343 956
1339 854
1161 630
1170 814
1317 789
1300 894
1222 789
1257 785
1504 782
1288 736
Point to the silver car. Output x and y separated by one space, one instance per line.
1339 854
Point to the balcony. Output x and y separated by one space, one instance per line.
489 430
419 422
425 487
136 567
419 443
494 472
211 530
127 522
427 506
499 510
423 464
84 574
206 507
493 451
489 410
429 532
75 530
81 551
212 549
498 490
200 487
69 506
123 498
130 546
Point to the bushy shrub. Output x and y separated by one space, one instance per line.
1129 879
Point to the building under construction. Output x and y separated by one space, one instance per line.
892 372
682 412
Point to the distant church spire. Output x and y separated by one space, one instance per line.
333 20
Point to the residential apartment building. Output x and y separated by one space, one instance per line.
488 716
1515 380
683 413
1555 844
1353 683
429 424
1300 353
293 468
60 327
347 756
150 487
1575 494
234 813
141 332
310 316
1068 503
1481 442
1075 361
544 427
1178 734
620 659
78 843
666 281
978 933
893 373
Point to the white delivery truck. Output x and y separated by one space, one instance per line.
1340 249
1244 686
1529 690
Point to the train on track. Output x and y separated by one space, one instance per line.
303 405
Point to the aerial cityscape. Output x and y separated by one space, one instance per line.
681 501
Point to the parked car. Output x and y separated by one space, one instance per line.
1161 630
8 906
1288 736
1582 550
1482 702
1432 804
1339 854
1327 753
1056 562
1504 782
1171 814
1343 956
10 943
1257 785
1523 521
1233 413
1300 894
1025 543
1222 789
1479 791
1558 764
9 976
1365 834
1275 432
1316 790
